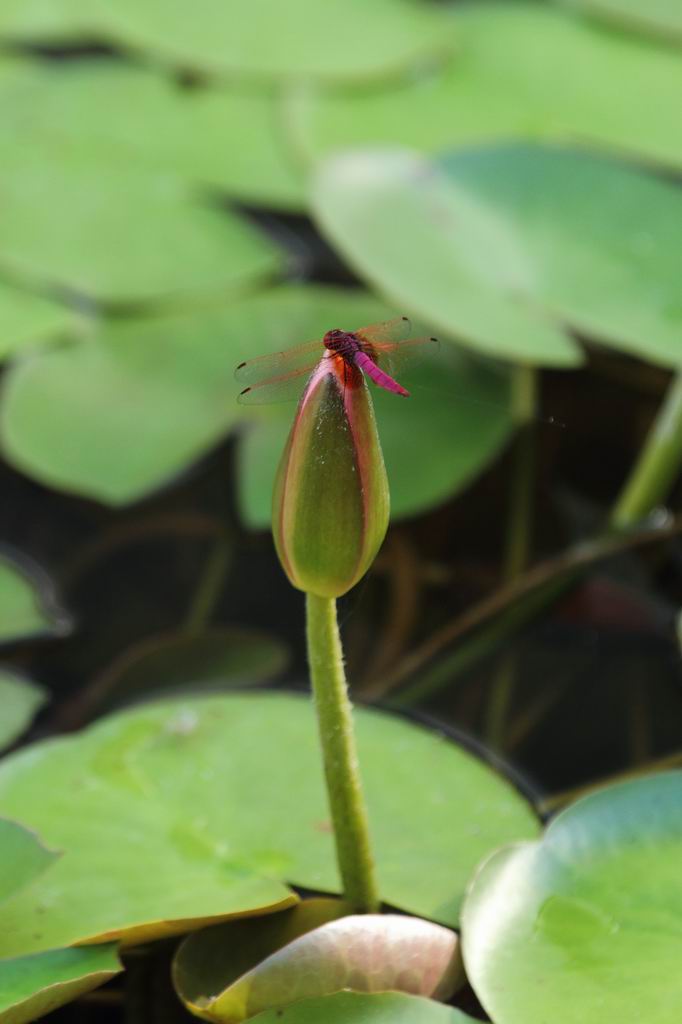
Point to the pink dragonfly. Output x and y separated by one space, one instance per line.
379 351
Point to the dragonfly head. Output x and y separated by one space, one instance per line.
340 342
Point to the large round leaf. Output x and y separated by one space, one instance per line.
121 235
509 80
133 117
339 40
28 321
28 606
399 221
22 858
119 414
44 20
588 919
20 701
194 808
661 18
31 986
356 1008
558 236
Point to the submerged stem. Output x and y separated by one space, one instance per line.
342 773
658 463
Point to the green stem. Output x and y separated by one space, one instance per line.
657 465
342 773
209 588
519 530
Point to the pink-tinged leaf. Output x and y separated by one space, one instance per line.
234 971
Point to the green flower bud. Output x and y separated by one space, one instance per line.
331 500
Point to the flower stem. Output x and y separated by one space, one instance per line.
657 466
342 773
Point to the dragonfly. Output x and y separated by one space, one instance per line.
378 351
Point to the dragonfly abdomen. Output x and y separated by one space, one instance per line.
379 376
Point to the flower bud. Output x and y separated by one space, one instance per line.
331 500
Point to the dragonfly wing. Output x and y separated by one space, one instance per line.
277 365
277 389
389 331
395 358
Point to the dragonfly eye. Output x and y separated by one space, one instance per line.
334 340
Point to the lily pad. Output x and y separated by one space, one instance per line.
28 606
117 416
32 986
508 81
397 220
356 1008
20 700
589 916
121 236
193 809
44 20
28 321
22 857
231 973
659 18
126 116
558 236
340 40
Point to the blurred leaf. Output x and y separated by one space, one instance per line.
44 20
215 658
134 117
547 232
660 18
340 40
175 813
122 413
27 603
397 220
587 917
521 71
23 858
20 701
230 973
32 986
121 236
29 321
357 1008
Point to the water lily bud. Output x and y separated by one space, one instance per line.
331 500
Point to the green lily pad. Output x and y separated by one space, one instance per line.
32 986
508 81
341 40
659 18
121 236
589 916
44 20
192 809
399 221
126 116
231 973
117 416
22 857
27 603
575 239
357 1008
20 701
29 321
